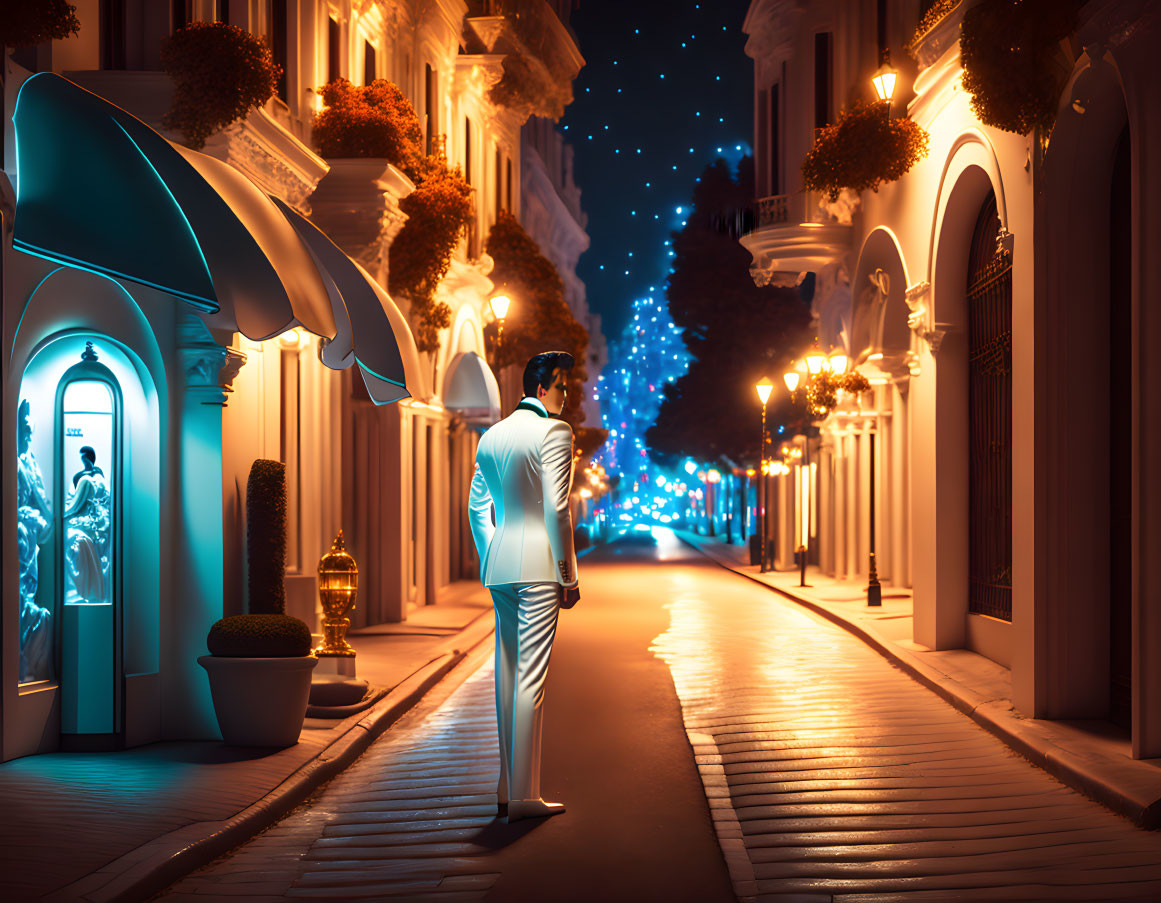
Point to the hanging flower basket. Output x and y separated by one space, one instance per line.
862 150
822 390
220 72
31 22
1016 60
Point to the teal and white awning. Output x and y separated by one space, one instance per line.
100 190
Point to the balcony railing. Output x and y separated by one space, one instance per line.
774 210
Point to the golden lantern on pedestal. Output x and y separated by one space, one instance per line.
338 581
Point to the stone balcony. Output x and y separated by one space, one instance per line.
794 235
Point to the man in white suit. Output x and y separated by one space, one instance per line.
523 533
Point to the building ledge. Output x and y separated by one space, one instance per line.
794 235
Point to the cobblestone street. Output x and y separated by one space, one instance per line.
829 775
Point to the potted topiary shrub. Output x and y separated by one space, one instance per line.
260 663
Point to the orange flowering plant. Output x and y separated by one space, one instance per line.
377 120
862 150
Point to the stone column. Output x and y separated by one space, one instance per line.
197 554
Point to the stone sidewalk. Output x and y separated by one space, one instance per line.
124 825
831 777
1087 755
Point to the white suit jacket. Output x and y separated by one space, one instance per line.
524 472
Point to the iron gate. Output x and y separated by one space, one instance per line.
989 312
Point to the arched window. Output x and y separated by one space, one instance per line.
88 444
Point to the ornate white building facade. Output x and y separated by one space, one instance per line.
1001 298
209 400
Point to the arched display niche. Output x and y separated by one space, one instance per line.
879 308
1085 584
99 582
939 410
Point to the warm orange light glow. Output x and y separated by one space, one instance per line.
791 378
500 304
815 360
764 388
838 363
714 475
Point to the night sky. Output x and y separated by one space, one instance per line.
666 88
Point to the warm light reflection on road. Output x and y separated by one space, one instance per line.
719 654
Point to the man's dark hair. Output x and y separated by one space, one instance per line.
87 451
539 369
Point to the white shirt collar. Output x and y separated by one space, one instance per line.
528 399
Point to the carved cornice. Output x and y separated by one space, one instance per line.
271 157
357 206
773 29
202 360
235 361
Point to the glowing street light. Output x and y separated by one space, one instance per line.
838 363
764 388
815 360
884 80
791 378
499 305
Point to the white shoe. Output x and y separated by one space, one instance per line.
518 809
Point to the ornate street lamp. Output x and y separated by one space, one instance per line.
763 388
884 81
499 304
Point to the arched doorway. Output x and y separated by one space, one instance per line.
989 321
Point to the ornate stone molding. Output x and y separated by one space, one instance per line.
917 296
202 360
936 41
234 362
357 205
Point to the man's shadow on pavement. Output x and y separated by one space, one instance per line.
498 834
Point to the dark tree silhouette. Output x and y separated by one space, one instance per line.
736 331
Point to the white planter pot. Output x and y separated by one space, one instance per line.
260 701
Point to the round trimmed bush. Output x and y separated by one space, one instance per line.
259 636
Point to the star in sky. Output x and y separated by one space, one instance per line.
669 84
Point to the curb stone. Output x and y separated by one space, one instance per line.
152 867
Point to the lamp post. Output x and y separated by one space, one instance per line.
763 388
874 590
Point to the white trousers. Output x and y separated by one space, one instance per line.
525 628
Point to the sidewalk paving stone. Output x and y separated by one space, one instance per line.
1090 756
134 821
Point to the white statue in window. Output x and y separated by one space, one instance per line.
88 523
33 528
